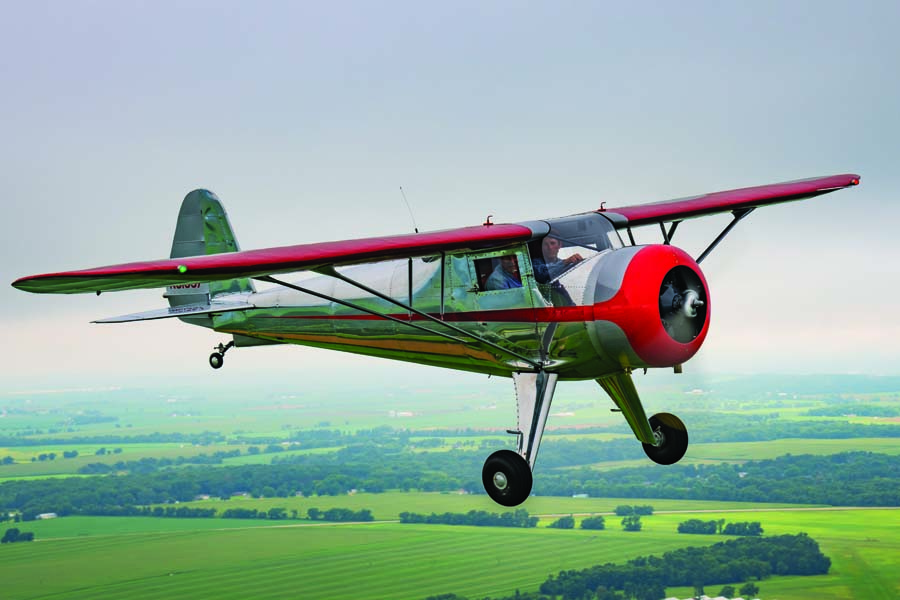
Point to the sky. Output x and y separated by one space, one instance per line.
307 118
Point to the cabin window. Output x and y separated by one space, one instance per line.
498 273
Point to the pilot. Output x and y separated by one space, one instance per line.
552 266
505 275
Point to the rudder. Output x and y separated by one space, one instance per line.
203 228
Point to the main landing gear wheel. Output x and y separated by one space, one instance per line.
672 439
507 478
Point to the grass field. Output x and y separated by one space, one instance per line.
108 557
354 561
71 527
741 451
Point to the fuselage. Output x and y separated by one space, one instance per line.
597 315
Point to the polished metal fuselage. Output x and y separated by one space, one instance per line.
522 320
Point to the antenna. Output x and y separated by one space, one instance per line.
402 193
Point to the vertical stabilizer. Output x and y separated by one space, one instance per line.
203 228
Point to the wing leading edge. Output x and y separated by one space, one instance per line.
727 201
270 261
286 259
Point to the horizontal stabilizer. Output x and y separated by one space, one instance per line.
178 311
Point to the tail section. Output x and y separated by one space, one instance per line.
203 228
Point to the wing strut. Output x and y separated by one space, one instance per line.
330 271
354 306
270 279
667 235
738 215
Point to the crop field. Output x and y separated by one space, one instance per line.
352 561
81 527
109 557
25 467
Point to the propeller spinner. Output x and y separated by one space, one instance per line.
682 304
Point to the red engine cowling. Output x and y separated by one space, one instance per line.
650 306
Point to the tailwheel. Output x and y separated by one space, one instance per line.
507 478
671 439
216 360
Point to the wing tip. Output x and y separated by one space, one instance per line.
24 284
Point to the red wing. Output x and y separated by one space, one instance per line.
718 202
268 261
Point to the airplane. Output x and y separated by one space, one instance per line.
538 301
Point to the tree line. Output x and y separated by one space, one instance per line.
624 510
850 479
344 515
698 526
518 518
13 535
277 513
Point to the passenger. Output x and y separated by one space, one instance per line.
505 275
551 266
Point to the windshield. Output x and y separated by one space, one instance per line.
571 240
589 231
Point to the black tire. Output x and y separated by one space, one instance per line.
216 360
675 439
507 478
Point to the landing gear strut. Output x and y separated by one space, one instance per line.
663 435
217 358
506 474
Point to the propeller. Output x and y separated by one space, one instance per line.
682 304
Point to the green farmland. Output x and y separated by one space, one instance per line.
107 557
331 433
353 561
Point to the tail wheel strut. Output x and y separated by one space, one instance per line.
217 358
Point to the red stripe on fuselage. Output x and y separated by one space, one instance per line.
553 314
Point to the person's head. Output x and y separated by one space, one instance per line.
510 264
550 247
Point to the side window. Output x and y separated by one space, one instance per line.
498 273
